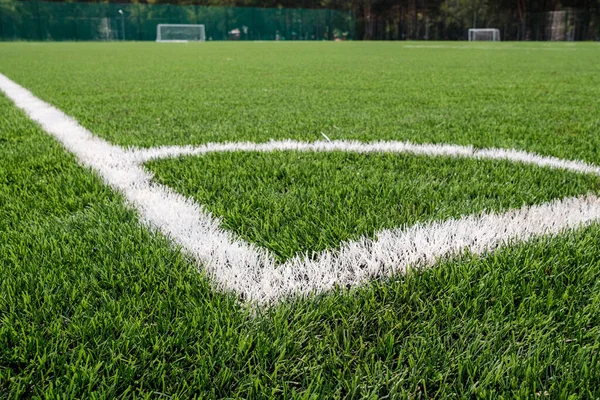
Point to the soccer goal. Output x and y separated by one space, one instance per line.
180 33
489 34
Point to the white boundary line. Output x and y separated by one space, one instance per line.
252 272
487 46
449 150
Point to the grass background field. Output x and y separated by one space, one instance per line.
93 303
539 97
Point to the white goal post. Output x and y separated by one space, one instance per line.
180 33
489 34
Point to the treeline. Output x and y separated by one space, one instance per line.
446 19
335 19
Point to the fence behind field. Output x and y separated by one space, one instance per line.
49 21
45 21
453 24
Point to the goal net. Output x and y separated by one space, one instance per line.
180 33
488 34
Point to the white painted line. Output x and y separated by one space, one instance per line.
488 46
252 272
449 150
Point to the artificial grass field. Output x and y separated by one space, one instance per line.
291 202
539 97
92 303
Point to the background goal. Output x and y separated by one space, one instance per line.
180 33
489 34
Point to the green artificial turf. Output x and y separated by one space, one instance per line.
298 202
541 97
93 305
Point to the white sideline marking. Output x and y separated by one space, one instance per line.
250 271
497 46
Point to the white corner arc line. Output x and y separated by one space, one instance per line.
252 272
448 150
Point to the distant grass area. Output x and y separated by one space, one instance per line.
92 305
541 97
297 202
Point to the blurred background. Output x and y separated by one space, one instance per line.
569 20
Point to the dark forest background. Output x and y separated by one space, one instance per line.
359 19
